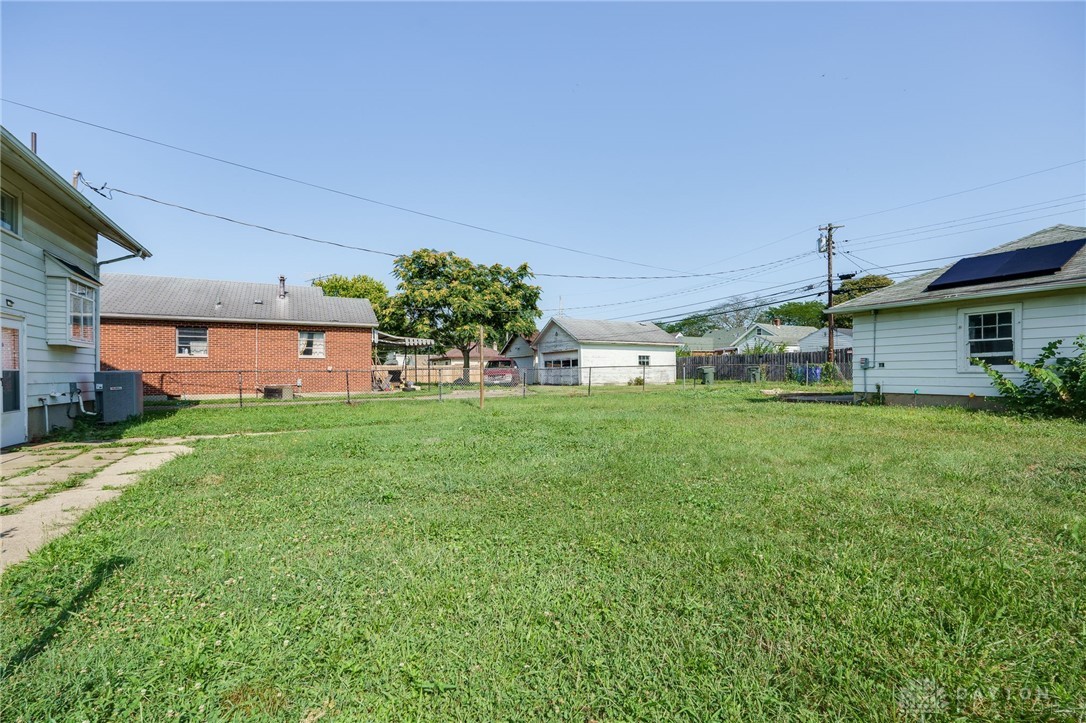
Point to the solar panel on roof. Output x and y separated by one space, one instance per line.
1009 265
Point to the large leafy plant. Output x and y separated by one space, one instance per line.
1053 386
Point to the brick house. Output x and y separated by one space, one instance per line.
194 337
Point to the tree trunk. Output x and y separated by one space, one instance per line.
466 351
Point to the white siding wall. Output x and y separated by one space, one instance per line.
45 226
819 340
617 363
920 346
611 363
521 353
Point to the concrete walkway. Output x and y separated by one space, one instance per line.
48 487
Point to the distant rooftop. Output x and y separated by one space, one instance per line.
619 332
164 297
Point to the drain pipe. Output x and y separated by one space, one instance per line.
45 408
79 396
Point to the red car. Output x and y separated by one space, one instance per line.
501 371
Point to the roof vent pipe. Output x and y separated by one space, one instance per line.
282 287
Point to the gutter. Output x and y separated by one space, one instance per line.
219 319
102 223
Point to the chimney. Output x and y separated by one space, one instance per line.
282 287
777 321
34 143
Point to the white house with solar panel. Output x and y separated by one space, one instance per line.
913 341
583 351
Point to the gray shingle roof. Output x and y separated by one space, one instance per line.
622 332
164 297
911 291
786 333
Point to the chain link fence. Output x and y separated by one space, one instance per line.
164 390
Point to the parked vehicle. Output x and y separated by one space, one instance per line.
501 371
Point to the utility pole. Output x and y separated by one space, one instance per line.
825 243
482 366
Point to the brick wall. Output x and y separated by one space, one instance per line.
265 354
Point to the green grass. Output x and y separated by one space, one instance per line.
656 555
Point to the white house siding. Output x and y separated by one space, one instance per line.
617 363
522 354
919 346
557 345
819 340
45 226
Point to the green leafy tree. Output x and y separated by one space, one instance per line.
694 325
798 313
447 297
365 287
854 288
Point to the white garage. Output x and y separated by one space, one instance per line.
575 351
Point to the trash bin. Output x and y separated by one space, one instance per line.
707 374
754 374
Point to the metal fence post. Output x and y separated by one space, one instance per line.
590 381
240 403
347 372
439 389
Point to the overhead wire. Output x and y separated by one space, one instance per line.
968 190
104 191
337 191
437 217
876 245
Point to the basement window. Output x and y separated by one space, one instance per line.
311 344
192 341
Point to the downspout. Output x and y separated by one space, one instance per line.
45 409
256 354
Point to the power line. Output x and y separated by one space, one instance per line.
337 191
485 229
983 218
681 276
968 230
765 301
105 192
968 190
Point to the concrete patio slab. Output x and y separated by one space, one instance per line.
31 527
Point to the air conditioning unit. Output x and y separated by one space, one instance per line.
118 395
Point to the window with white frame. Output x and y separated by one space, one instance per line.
9 212
311 344
81 312
643 360
990 334
192 341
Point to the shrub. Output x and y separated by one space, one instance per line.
1054 386
636 382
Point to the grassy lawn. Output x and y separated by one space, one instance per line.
657 555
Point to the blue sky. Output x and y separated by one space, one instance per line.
699 137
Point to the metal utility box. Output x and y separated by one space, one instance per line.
118 395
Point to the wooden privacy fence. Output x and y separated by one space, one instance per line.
787 366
